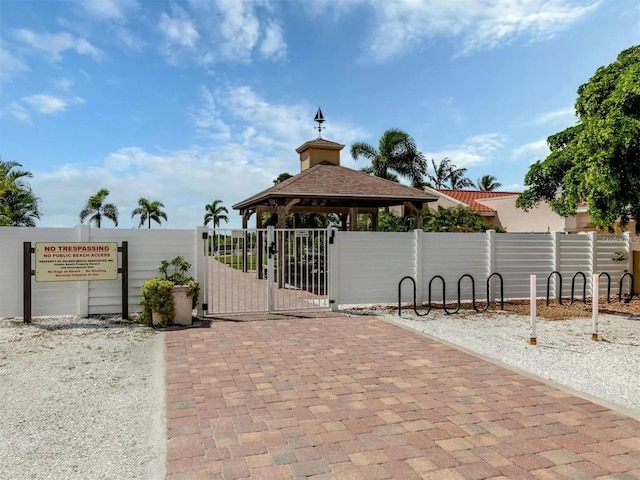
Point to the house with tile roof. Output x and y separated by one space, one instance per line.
499 209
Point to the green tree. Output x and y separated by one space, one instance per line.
457 179
215 212
455 219
149 211
19 208
488 183
598 159
12 178
440 175
391 222
396 155
447 175
282 177
95 209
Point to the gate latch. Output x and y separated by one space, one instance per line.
272 249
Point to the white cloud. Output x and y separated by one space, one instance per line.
240 28
273 44
473 151
210 31
57 43
479 24
278 127
11 65
184 180
18 112
108 9
207 118
63 83
129 40
46 103
42 104
532 152
562 115
178 30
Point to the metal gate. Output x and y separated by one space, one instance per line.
265 270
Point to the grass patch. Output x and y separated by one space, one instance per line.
235 261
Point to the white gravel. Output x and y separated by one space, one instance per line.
608 369
81 399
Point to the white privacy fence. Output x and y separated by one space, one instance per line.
363 267
366 267
147 248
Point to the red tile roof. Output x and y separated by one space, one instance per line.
469 197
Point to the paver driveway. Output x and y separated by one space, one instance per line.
333 397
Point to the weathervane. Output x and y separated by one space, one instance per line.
319 118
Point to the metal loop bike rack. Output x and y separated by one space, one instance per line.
549 284
473 294
444 294
608 287
415 308
488 293
624 275
584 287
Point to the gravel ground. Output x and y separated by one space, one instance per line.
608 369
81 399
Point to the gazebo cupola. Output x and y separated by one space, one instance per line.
319 151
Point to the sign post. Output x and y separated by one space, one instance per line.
73 261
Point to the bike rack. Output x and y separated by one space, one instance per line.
584 287
473 293
444 294
608 287
630 275
415 309
549 284
501 292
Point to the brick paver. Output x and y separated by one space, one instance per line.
334 397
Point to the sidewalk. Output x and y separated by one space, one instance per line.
324 396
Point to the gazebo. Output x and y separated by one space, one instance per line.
324 186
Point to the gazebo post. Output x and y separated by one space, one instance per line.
259 245
245 252
374 220
353 219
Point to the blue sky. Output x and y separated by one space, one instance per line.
190 101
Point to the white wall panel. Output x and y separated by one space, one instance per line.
451 255
372 263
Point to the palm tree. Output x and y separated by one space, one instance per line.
10 178
446 171
397 153
457 179
96 209
215 213
440 173
488 183
19 208
149 211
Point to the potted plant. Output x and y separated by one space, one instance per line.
171 298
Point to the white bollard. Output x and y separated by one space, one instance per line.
532 309
595 291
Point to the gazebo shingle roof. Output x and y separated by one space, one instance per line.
339 183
